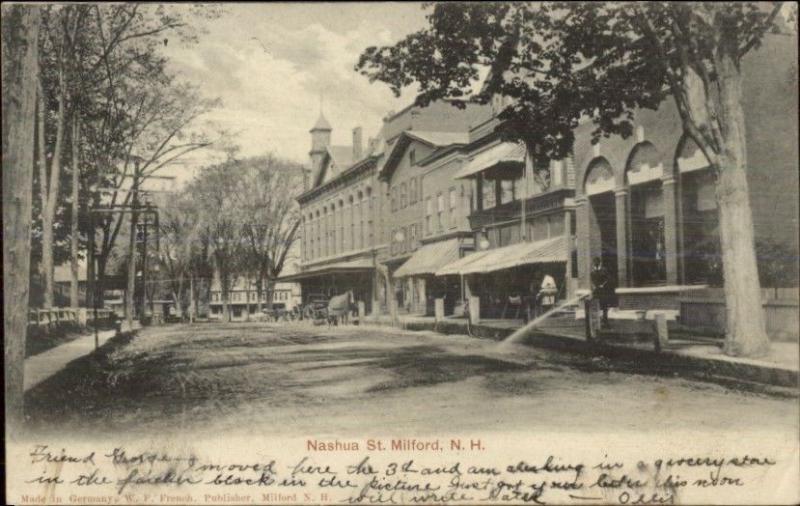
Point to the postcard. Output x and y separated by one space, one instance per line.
401 253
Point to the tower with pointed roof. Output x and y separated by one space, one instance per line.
320 142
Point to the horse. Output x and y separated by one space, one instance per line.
339 308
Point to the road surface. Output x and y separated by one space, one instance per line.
301 380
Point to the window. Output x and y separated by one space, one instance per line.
412 157
488 194
439 210
393 242
507 191
453 199
412 231
412 190
394 199
403 196
428 214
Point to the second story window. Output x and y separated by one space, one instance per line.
412 191
428 215
412 157
507 191
488 194
453 201
439 211
413 235
403 196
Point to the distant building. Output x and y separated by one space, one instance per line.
243 298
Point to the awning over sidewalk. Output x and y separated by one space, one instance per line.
455 268
539 252
349 267
505 152
429 258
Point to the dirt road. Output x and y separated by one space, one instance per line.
301 380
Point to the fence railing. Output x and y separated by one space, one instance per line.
61 315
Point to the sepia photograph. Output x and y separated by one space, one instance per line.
391 253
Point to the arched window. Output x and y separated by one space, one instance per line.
643 175
599 185
702 256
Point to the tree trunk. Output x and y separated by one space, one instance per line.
19 114
74 230
226 306
49 207
192 301
259 293
101 281
746 331
270 291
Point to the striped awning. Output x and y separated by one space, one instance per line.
505 152
454 268
539 252
429 258
349 267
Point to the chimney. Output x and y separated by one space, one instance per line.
357 144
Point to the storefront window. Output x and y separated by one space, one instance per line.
702 254
647 234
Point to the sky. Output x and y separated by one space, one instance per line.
274 64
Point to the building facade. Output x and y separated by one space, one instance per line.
243 299
340 218
439 206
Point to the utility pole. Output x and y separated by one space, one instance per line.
129 296
91 274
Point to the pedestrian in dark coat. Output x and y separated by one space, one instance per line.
602 288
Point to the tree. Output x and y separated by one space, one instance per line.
213 192
97 62
179 229
20 35
561 61
268 214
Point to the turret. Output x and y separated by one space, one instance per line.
320 141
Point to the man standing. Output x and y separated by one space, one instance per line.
602 289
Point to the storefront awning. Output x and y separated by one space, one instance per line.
454 268
429 258
539 252
505 152
349 267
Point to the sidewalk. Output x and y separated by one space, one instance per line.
780 368
40 367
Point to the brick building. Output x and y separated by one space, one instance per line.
644 206
340 210
439 206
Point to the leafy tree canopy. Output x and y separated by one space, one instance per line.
561 62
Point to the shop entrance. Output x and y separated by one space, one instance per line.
605 247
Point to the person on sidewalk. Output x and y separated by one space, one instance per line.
602 289
547 293
533 295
